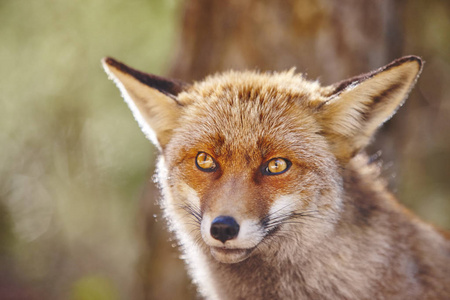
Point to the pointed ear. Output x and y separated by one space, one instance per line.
358 106
152 99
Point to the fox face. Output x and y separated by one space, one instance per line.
250 158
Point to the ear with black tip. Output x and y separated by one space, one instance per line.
152 99
358 106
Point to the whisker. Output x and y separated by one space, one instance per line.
273 223
192 211
193 224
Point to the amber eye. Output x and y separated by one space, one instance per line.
277 166
205 162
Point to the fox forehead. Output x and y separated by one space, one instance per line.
249 112
242 90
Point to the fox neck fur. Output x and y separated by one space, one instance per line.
268 191
373 252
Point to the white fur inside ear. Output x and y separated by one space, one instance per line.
146 129
351 117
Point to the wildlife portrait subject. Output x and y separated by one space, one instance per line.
269 193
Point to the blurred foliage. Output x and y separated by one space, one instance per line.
72 160
94 287
421 129
74 166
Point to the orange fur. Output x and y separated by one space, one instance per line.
324 228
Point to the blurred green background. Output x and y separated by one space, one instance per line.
73 163
75 169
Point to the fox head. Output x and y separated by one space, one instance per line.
246 157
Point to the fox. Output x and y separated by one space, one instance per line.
268 189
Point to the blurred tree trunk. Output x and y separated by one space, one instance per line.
328 40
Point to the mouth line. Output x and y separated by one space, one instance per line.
230 255
225 250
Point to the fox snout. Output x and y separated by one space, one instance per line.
224 228
230 240
230 235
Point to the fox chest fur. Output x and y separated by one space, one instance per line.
267 191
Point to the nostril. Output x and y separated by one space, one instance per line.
224 228
214 230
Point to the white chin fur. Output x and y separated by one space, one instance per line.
230 256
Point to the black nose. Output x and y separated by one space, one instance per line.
224 228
